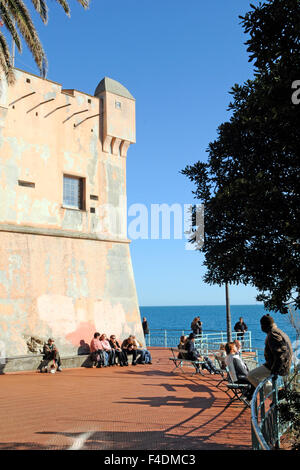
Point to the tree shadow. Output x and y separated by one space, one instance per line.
124 440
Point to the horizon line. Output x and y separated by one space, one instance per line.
205 305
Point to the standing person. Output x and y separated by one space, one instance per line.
145 329
51 353
240 327
196 326
278 354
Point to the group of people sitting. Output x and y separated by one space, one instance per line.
187 350
103 351
229 357
108 352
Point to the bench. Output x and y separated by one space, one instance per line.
179 362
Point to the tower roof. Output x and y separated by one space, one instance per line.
112 86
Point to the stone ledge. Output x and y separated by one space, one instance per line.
31 363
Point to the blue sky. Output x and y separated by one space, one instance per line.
179 60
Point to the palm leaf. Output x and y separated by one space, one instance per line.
42 9
23 19
65 6
5 63
6 18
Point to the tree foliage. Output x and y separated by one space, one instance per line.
16 19
250 183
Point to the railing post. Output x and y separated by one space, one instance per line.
276 414
166 340
149 339
255 442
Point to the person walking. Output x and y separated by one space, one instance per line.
278 354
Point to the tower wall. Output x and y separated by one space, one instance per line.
64 272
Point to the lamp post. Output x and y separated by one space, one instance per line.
228 316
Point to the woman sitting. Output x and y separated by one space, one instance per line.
181 347
238 370
221 356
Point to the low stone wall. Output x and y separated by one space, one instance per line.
32 363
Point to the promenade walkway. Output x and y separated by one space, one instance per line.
143 407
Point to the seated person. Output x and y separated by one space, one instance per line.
238 370
181 347
238 347
144 354
108 351
209 365
191 352
220 356
51 353
193 355
122 359
96 349
129 348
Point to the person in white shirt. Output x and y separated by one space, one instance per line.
238 370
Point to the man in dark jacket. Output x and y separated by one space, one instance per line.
240 327
278 354
191 352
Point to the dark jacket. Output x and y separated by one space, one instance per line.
114 345
240 327
145 327
278 352
196 327
192 353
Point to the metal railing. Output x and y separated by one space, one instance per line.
207 341
266 427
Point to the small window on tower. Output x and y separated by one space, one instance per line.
73 192
118 105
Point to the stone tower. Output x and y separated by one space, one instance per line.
65 265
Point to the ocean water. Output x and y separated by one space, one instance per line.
214 320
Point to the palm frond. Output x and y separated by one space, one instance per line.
5 60
42 9
65 6
84 3
7 21
23 19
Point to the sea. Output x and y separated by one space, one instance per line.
213 319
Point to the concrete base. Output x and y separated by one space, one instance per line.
27 363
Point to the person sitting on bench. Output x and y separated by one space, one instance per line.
107 350
122 359
181 347
191 352
144 355
238 370
51 353
129 348
96 349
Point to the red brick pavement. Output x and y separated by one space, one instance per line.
143 407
